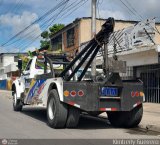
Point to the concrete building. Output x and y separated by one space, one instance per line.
70 38
8 65
79 31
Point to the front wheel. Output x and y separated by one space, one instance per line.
17 104
56 111
126 119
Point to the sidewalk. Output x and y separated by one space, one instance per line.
6 93
151 117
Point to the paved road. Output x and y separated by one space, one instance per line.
31 124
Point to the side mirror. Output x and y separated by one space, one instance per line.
20 64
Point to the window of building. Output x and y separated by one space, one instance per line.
57 43
16 58
70 37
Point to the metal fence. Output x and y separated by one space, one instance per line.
150 75
151 80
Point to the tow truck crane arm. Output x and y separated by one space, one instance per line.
90 51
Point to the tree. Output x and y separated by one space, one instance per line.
55 28
46 34
44 43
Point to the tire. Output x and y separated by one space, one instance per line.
95 114
73 117
135 117
116 119
17 104
126 119
56 111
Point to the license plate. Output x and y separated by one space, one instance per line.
106 91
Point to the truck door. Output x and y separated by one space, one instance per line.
34 85
26 78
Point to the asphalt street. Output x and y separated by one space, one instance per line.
31 124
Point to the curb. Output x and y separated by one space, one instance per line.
152 127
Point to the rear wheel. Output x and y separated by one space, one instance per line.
73 117
56 111
17 104
126 119
135 117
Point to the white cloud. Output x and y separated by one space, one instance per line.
19 22
116 14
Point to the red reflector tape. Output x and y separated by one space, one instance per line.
108 109
113 109
102 109
74 104
71 103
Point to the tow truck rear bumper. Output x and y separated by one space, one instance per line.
88 96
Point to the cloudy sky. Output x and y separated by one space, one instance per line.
15 15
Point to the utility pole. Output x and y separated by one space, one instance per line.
93 32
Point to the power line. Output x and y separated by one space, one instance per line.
45 24
155 29
46 28
22 43
36 21
134 9
76 6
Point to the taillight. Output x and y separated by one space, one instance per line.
73 93
137 94
133 94
80 93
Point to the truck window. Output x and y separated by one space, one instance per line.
28 65
40 65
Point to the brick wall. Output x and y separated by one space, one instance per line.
71 50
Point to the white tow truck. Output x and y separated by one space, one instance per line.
48 81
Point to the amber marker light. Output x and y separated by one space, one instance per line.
66 93
141 94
